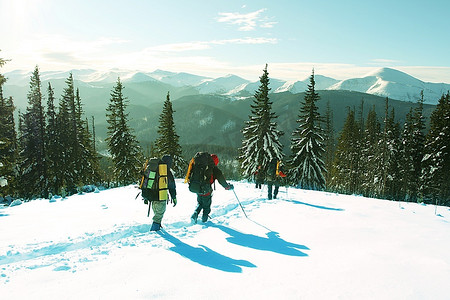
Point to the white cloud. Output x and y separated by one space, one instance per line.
246 22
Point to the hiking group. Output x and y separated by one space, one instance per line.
157 183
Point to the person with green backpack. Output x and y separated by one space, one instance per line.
273 177
156 184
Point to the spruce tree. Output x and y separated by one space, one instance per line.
307 144
261 138
369 159
413 142
330 144
436 161
53 151
122 144
345 175
8 142
89 168
33 156
168 140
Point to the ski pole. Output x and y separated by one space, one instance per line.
149 204
240 204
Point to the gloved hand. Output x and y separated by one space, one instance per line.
229 187
174 201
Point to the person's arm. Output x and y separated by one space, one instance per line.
220 178
171 185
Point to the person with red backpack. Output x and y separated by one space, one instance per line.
202 173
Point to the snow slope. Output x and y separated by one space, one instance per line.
304 245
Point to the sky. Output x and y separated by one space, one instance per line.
340 39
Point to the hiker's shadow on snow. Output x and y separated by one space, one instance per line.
272 242
315 206
205 256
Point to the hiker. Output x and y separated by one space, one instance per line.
274 175
201 185
259 177
157 198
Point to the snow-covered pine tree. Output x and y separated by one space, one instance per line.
89 169
391 159
436 161
345 176
53 150
412 150
369 158
330 144
261 138
122 144
307 144
8 141
168 140
33 156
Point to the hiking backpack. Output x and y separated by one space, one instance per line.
154 182
200 173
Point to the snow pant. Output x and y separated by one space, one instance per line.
204 203
159 208
275 191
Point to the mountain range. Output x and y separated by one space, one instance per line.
384 82
213 111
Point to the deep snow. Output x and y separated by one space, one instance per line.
303 245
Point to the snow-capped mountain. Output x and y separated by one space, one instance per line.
383 82
221 85
178 79
394 84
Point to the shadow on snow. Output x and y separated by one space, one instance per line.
272 242
206 256
315 206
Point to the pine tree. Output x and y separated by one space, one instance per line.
89 168
33 155
436 161
8 141
369 157
168 140
123 146
53 151
345 175
261 140
412 149
307 144
330 144
68 174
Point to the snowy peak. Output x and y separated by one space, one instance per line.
221 85
394 84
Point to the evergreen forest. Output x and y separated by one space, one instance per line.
50 148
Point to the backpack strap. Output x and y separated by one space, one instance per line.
143 175
186 179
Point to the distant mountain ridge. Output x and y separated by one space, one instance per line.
384 82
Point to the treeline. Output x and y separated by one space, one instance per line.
375 157
53 151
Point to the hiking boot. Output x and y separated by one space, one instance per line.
155 227
205 218
194 217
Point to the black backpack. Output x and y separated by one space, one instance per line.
154 180
201 173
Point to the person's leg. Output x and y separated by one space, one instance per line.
269 190
159 208
206 203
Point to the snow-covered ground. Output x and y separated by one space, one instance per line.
303 245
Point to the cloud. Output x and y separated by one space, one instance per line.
246 22
203 45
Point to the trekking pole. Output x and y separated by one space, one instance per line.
149 205
240 204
